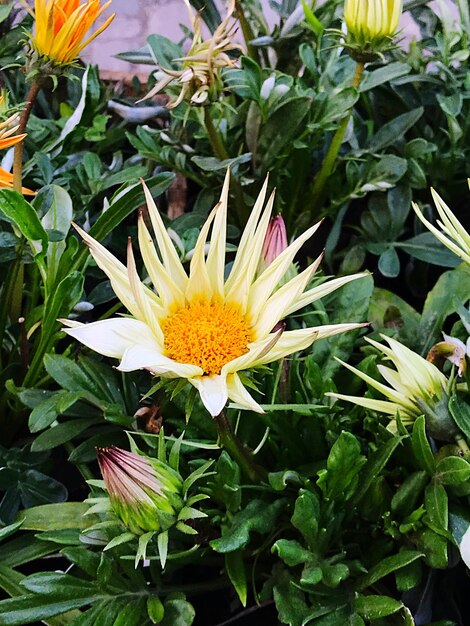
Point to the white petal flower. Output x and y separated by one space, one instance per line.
200 326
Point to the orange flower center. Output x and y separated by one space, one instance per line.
207 334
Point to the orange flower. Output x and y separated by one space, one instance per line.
61 26
6 181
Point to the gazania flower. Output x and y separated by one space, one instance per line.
143 491
199 76
417 387
371 23
61 27
202 327
6 181
450 232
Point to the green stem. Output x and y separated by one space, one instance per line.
221 153
18 152
318 187
247 31
460 441
82 468
217 144
240 453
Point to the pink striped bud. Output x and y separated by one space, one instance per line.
275 241
144 492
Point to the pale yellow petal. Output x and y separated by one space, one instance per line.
215 262
166 288
369 403
283 300
199 285
263 287
140 296
112 337
241 277
238 393
320 291
165 246
247 237
257 350
213 391
145 357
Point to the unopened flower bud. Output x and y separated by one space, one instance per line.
371 26
275 241
144 492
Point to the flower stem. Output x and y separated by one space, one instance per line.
217 144
318 186
221 153
240 453
462 444
18 151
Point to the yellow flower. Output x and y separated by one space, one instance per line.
417 387
371 22
61 26
200 74
202 327
450 232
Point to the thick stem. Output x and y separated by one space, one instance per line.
240 453
18 153
460 441
327 167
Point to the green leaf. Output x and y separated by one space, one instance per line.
452 470
306 515
406 497
387 566
6 531
291 552
235 567
58 219
460 411
434 547
421 448
57 435
389 263
155 609
340 479
389 132
375 607
34 608
257 516
436 504
384 74
289 600
164 51
23 214
56 516
47 411
426 247
178 612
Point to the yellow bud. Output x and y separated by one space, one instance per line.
371 23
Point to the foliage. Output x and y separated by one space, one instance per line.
351 522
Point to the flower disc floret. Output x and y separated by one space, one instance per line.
206 334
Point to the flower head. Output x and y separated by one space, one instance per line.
144 492
200 326
61 27
417 387
450 232
371 24
199 76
